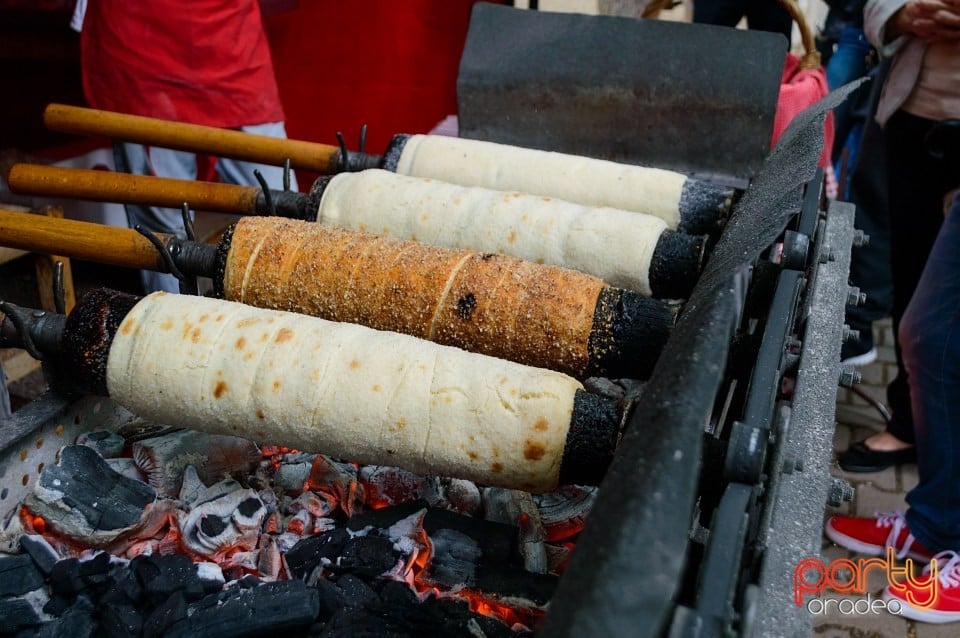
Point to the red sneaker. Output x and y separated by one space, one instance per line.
927 599
872 536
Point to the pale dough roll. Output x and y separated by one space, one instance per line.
500 306
341 389
574 178
614 245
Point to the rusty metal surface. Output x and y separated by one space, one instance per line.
693 98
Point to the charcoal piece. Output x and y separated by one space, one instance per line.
43 554
249 582
118 620
356 593
57 605
271 608
165 617
366 556
351 623
124 587
76 622
161 576
492 628
516 583
331 598
65 578
16 614
214 456
385 517
95 572
497 541
304 557
397 594
18 575
83 499
211 577
455 558
107 444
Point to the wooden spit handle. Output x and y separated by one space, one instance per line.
194 138
123 188
80 240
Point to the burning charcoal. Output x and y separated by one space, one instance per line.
564 511
16 614
126 467
291 477
120 621
384 485
19 575
497 541
355 593
338 479
518 508
43 554
459 495
269 562
107 444
454 559
165 618
211 577
306 555
271 608
161 576
228 523
510 582
76 622
319 505
384 518
367 556
83 499
557 558
164 458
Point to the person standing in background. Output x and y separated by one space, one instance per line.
761 15
195 61
918 110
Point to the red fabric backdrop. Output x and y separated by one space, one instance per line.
391 65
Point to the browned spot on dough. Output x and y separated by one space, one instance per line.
260 414
204 318
195 335
496 468
167 325
542 425
448 399
473 456
285 334
512 237
241 342
496 452
249 321
220 390
219 317
401 424
473 438
248 356
533 451
127 326
264 337
376 387
355 364
276 385
23 455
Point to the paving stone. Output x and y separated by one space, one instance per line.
908 478
873 375
880 625
871 497
886 354
929 630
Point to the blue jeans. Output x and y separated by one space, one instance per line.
848 63
930 343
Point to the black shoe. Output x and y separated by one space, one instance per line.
859 458
859 351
